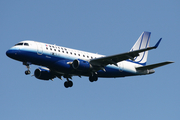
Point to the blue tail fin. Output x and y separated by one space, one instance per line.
141 43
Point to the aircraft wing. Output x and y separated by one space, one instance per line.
114 59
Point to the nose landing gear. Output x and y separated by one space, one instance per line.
27 72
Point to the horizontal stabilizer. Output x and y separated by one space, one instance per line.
148 67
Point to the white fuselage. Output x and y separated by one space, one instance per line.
52 53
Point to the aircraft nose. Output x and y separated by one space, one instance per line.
10 53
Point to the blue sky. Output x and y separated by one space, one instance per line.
99 26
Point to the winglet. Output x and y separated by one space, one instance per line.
157 44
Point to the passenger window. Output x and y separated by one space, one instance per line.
74 53
59 50
47 48
54 49
50 48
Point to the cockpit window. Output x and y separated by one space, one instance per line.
26 44
19 44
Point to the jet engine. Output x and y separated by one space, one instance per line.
43 74
81 65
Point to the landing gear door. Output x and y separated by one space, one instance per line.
39 49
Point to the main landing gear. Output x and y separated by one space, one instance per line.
93 77
68 83
27 72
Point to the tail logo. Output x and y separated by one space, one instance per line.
141 43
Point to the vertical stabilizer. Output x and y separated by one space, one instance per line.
141 43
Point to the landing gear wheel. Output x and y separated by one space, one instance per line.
93 78
68 84
27 72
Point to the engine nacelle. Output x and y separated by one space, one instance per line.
43 74
81 65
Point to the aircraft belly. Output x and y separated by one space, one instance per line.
114 72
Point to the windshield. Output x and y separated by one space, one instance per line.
26 44
18 44
21 44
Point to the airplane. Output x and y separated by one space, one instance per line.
58 61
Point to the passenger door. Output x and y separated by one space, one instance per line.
39 49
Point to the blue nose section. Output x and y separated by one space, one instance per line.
11 53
